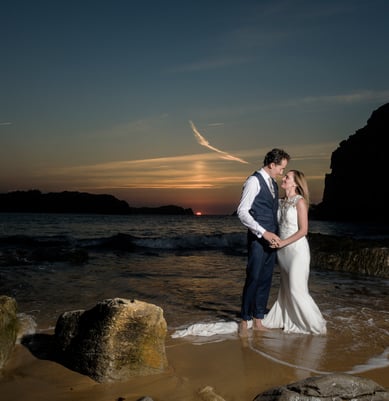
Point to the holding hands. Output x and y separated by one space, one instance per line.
273 239
277 243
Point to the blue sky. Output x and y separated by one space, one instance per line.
107 96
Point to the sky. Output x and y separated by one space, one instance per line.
178 101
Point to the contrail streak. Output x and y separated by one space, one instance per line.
203 142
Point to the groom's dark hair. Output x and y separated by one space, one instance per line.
275 156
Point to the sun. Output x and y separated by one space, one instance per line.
198 213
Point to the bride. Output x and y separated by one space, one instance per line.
294 311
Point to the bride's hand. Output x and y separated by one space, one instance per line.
277 244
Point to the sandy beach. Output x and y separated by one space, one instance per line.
194 270
230 367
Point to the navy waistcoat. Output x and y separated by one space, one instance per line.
264 208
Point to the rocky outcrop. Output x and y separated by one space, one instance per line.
8 328
355 189
335 387
332 387
34 201
116 339
351 255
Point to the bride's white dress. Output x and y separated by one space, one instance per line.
294 311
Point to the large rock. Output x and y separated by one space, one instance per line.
8 328
355 189
370 257
116 339
333 387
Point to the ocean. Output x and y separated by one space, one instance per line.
193 267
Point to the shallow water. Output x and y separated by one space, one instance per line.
194 269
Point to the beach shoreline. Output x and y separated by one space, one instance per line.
229 367
193 269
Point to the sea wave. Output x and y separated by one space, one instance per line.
125 242
194 241
27 326
377 361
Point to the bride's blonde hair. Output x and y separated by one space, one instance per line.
301 184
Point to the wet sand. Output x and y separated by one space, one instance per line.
230 367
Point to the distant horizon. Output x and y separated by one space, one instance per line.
152 206
156 103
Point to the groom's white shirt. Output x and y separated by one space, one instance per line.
251 189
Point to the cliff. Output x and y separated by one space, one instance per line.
355 190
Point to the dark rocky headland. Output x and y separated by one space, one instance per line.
356 189
34 201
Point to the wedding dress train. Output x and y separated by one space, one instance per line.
294 311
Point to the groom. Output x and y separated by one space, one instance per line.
257 211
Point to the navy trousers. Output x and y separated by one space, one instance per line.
259 272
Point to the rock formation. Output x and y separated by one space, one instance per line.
61 202
356 189
8 328
336 387
370 257
116 339
34 201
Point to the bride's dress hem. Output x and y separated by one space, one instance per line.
294 311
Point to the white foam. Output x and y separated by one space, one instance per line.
27 325
379 361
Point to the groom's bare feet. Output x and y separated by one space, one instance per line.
257 325
243 329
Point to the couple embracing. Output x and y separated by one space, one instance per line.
277 228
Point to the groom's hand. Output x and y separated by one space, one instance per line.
271 238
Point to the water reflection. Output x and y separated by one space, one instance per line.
304 352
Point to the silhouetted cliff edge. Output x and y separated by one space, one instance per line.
356 189
35 201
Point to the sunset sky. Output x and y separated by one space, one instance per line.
177 102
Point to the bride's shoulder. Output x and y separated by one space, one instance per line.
298 199
300 202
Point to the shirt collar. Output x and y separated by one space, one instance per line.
264 174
